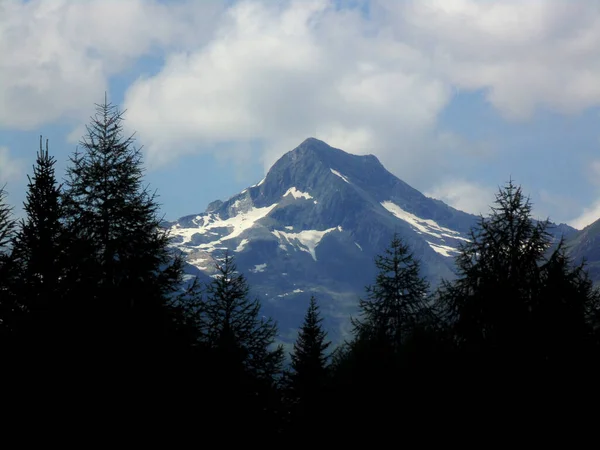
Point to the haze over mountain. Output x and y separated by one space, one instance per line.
314 225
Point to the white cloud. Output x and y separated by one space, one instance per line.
582 217
557 207
466 196
278 73
525 54
269 74
591 213
57 55
588 216
10 168
477 198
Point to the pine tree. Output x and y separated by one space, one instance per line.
396 301
521 318
309 359
309 375
230 323
245 360
498 277
374 378
122 274
563 314
38 246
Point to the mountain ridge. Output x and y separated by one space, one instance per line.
313 226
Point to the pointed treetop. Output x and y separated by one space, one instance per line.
308 356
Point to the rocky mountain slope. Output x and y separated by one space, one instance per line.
585 245
313 225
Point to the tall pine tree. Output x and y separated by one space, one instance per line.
309 358
564 315
396 301
122 274
309 376
245 360
373 370
230 323
520 313
38 249
499 273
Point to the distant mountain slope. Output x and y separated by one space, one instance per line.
585 245
314 224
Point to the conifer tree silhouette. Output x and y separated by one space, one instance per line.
309 376
245 361
396 301
38 250
372 369
309 358
123 276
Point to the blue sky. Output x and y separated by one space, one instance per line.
454 97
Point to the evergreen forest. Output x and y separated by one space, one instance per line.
99 324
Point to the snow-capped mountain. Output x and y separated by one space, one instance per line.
313 225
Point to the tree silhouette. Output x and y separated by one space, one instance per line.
38 249
230 322
309 358
372 370
396 301
122 275
245 361
564 315
520 314
309 377
498 277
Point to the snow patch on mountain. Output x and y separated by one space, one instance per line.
305 240
199 259
426 226
295 291
259 268
297 194
237 204
235 226
242 245
444 250
335 172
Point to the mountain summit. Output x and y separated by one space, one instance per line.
314 224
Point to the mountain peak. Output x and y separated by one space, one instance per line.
313 147
315 223
312 141
314 162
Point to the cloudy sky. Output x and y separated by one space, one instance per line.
453 96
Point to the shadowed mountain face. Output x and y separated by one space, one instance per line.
585 245
314 225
